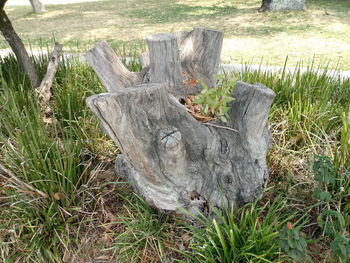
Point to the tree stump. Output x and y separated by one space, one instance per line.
171 159
283 5
38 6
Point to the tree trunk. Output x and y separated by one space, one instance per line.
18 48
171 159
38 7
278 5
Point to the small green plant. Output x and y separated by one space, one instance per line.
214 101
323 170
341 246
331 221
292 243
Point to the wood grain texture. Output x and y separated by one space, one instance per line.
200 51
168 155
44 90
171 159
174 59
164 60
283 5
111 71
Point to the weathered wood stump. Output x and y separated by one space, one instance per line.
171 159
38 6
283 5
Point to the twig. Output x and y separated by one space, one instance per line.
221 127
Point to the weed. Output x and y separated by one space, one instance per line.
330 219
214 101
292 243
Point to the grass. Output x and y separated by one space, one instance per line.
75 207
247 235
51 159
249 35
309 108
145 232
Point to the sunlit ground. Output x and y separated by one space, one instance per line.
320 33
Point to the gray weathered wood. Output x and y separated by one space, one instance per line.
111 71
281 5
164 60
173 59
44 90
174 161
171 159
38 6
200 51
144 60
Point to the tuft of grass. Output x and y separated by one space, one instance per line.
343 153
53 164
249 234
50 164
146 233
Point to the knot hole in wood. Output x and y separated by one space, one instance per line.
170 139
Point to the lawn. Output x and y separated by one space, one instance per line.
319 33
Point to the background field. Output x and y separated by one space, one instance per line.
320 32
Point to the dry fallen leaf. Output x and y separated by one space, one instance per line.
66 256
186 237
182 247
192 97
57 196
109 217
197 108
107 238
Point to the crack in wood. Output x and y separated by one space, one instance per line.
168 152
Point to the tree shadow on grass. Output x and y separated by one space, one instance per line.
334 5
273 29
179 13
